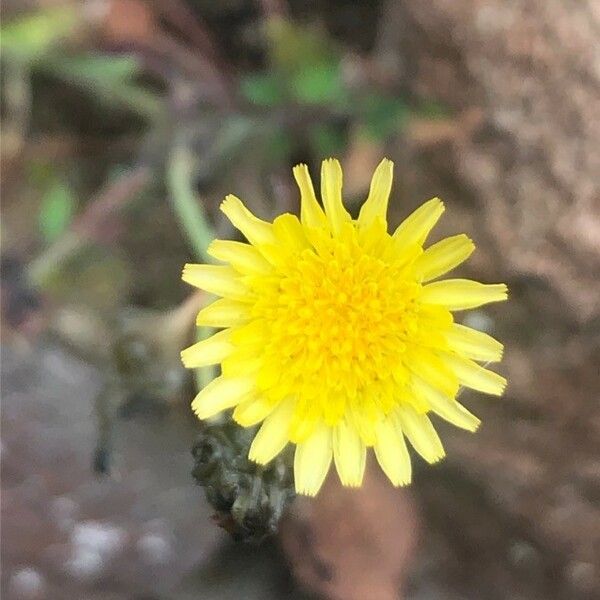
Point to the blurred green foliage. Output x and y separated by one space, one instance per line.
112 79
56 211
38 41
383 115
305 70
262 89
303 104
30 37
319 84
327 138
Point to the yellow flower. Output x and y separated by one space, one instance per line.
335 336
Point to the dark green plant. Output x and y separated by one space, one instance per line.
249 499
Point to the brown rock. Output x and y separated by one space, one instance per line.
353 544
531 161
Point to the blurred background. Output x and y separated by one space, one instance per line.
124 124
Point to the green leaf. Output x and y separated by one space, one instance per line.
56 211
319 84
108 79
263 89
99 67
27 38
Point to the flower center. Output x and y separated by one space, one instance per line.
337 325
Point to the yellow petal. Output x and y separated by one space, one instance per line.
473 344
416 227
312 460
224 313
223 281
474 376
405 258
363 413
251 335
376 203
430 367
435 318
447 408
349 453
392 453
242 257
243 360
273 434
221 393
252 411
421 434
443 257
256 230
290 233
331 192
311 214
374 240
303 424
268 376
462 294
208 352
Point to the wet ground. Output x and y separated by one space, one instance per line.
144 532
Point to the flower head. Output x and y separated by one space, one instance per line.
335 335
